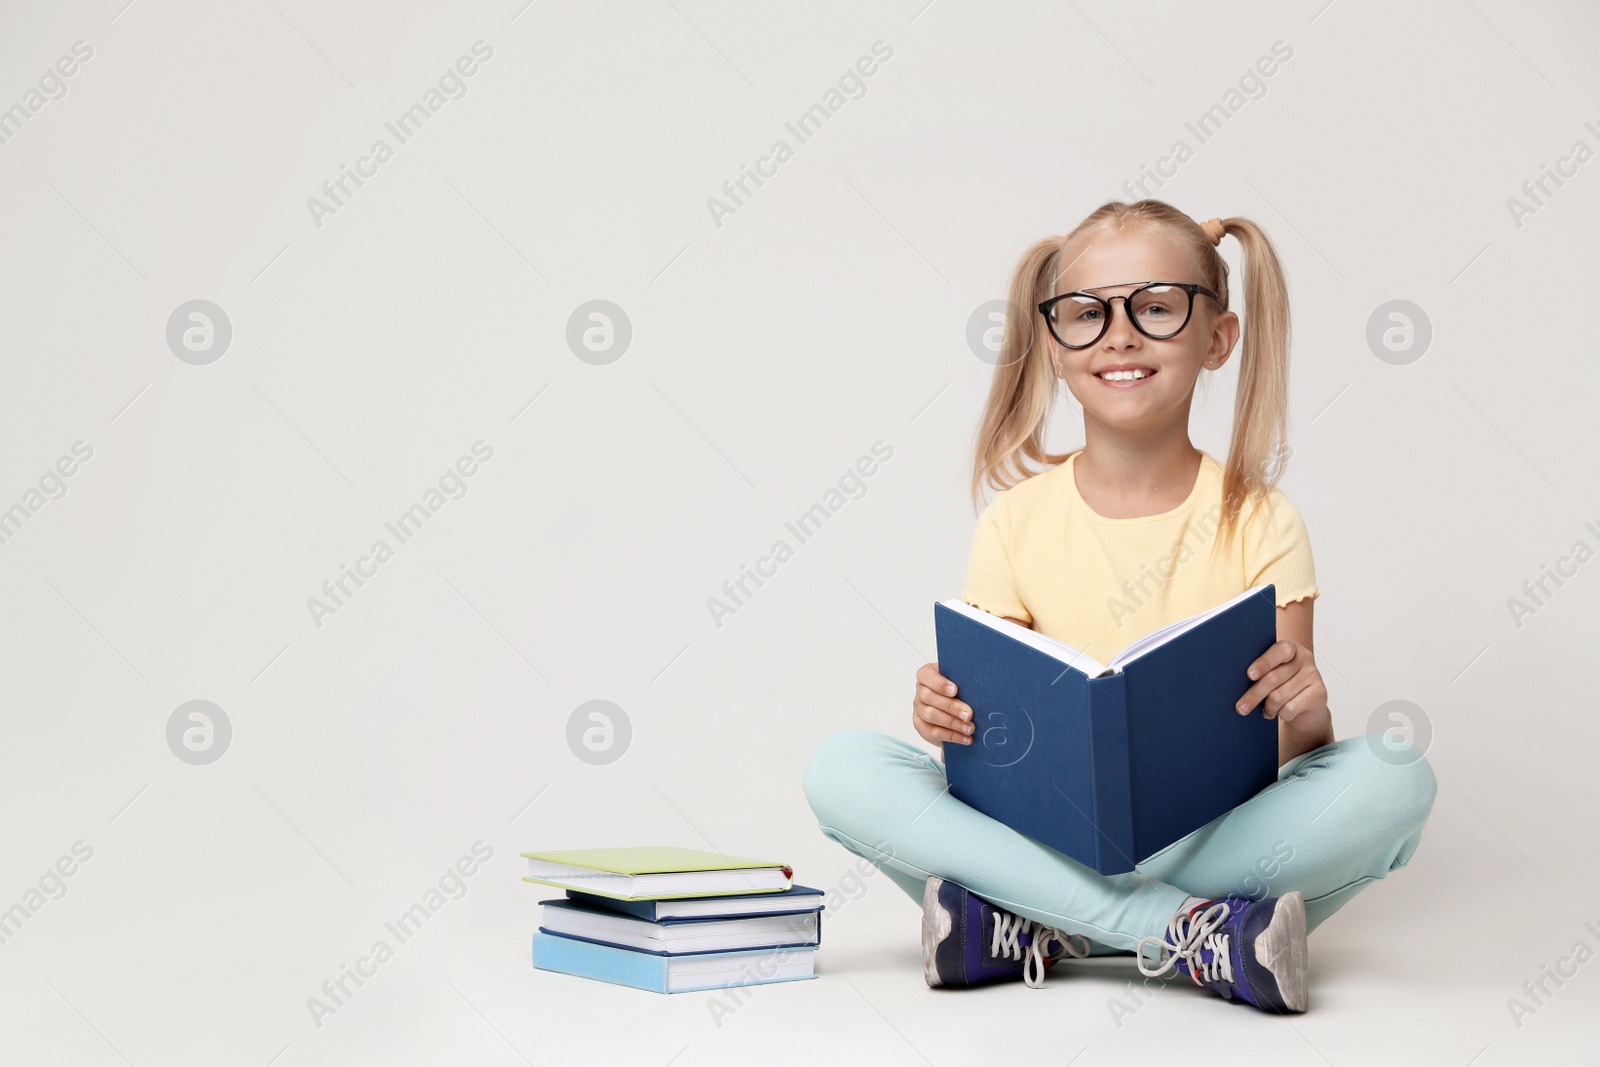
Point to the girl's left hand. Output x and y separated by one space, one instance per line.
1286 676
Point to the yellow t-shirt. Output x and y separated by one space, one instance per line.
1042 555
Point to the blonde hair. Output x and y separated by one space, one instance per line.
1023 391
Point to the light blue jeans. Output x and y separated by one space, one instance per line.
1338 818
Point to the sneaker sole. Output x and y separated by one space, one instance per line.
935 928
1281 949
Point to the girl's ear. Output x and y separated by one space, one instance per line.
1224 338
1054 350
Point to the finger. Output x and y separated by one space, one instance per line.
1264 662
943 703
1279 698
1312 696
1274 704
934 717
1262 689
1279 652
1273 685
935 733
929 676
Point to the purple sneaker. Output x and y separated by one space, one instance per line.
1254 950
967 941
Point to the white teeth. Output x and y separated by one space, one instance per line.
1123 375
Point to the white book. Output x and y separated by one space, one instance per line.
680 935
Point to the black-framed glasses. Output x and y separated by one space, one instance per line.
1159 310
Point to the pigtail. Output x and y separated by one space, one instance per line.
1261 404
1023 390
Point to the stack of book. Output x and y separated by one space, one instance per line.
674 920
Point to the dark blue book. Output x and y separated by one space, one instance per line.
1109 763
680 937
794 899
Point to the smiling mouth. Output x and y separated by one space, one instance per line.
1126 378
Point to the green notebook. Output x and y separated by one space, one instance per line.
656 873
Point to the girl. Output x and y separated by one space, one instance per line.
1136 530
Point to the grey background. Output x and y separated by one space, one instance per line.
767 354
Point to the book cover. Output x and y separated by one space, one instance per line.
650 859
656 872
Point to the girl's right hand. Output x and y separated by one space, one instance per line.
935 712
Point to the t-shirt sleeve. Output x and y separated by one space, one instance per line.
1280 551
990 582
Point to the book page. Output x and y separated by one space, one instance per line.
1156 638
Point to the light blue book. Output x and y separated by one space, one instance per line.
672 974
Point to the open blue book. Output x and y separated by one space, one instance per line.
1109 763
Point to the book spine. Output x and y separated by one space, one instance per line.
813 941
1113 814
641 909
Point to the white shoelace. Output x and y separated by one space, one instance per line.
1188 934
1009 928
